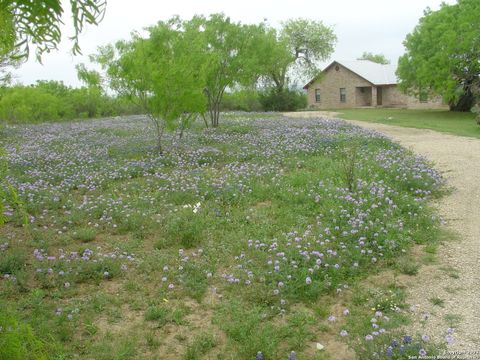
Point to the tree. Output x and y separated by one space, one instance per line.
8 54
229 55
442 55
296 48
38 23
376 58
91 78
162 74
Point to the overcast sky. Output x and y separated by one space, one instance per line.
377 26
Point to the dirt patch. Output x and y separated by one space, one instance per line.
336 349
130 319
263 204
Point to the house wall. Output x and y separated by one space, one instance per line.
363 96
330 83
331 80
392 96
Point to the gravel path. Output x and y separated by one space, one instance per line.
455 277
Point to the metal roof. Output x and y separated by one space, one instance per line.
377 74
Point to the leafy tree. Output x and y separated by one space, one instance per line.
38 23
7 47
229 55
295 49
376 58
91 78
162 74
442 55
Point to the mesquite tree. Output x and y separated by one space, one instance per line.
162 73
228 53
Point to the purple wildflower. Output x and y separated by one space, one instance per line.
407 339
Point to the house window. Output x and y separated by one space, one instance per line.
343 95
317 95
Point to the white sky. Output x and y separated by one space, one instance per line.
377 26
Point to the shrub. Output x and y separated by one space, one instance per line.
286 100
243 100
28 104
54 101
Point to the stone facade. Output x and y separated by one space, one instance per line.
359 92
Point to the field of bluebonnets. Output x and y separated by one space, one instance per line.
253 240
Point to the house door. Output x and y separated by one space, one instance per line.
379 96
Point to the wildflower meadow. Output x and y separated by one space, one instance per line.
254 240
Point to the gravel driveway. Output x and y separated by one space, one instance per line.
455 277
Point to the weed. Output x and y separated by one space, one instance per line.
451 271
407 266
200 345
437 301
453 319
84 234
12 262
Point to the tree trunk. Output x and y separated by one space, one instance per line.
159 133
214 107
464 103
205 120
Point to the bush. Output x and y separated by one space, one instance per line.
243 100
54 101
286 100
27 104
272 100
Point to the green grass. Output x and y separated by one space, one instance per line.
455 123
85 234
200 345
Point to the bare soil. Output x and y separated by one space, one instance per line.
455 277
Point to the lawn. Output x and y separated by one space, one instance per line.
456 123
261 236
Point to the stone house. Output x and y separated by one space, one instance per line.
360 83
